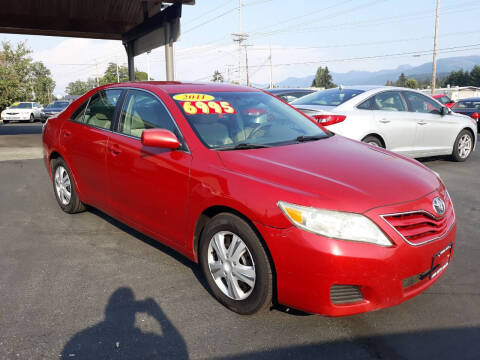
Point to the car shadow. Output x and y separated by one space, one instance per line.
117 337
450 343
20 129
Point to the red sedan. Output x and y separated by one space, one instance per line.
274 208
444 99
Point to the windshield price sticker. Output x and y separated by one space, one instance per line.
207 107
193 97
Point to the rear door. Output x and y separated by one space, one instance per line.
436 133
398 130
84 137
148 186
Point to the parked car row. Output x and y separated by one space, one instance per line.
32 111
273 206
398 119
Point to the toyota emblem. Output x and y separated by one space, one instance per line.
439 206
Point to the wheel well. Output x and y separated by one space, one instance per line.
378 137
54 155
473 135
209 213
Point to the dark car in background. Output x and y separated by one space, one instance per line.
288 95
54 108
470 107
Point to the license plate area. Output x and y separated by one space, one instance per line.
440 261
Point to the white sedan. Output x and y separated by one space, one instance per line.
22 111
398 119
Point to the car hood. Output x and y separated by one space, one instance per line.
335 173
19 111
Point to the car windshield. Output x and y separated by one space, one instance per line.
330 97
21 106
471 104
235 120
60 104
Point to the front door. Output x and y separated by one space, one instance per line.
148 186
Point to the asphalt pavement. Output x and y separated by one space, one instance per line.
85 286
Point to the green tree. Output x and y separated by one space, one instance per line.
323 78
14 74
110 75
217 76
402 80
80 87
475 76
411 83
43 84
457 78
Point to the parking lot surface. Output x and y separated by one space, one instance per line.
87 286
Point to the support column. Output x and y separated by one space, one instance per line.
169 71
131 62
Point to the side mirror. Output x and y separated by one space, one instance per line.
445 111
160 138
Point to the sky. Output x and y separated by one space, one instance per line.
345 35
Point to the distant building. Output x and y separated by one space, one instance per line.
458 92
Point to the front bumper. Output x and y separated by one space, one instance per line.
308 265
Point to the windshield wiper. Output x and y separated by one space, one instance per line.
304 138
243 146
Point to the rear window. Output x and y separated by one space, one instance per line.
475 104
330 97
61 104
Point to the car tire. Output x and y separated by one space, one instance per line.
5 122
373 140
64 188
463 146
32 118
244 282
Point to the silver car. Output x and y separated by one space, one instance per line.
398 119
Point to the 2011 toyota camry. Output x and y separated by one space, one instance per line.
274 208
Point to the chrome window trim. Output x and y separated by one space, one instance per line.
420 212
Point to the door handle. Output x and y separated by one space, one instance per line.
67 133
115 149
422 123
385 121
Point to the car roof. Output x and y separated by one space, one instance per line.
470 99
279 90
179 87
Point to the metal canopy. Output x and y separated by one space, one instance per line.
135 22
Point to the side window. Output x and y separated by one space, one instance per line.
366 105
421 103
101 108
78 115
389 101
142 111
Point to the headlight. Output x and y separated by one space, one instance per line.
335 224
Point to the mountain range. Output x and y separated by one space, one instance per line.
421 72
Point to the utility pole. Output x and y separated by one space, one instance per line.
271 68
148 65
240 38
246 64
435 41
118 75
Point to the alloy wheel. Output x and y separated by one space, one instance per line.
63 185
231 265
464 146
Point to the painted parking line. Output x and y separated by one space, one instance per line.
20 153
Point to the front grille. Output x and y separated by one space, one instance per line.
343 294
12 113
419 227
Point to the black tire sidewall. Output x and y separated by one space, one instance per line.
455 152
261 295
32 118
369 139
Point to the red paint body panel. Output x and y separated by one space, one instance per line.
163 192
